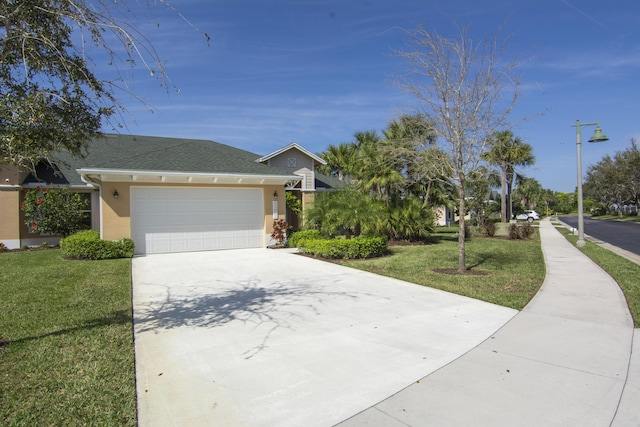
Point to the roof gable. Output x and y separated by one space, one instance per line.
292 146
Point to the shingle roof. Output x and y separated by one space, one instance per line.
148 153
325 182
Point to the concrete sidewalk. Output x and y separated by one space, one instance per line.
563 361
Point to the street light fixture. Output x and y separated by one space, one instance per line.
598 136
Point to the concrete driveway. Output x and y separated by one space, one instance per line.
261 337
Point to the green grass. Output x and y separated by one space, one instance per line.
634 218
67 357
623 271
515 268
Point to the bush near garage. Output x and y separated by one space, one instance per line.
298 236
88 245
357 247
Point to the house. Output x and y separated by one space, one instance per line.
170 194
297 160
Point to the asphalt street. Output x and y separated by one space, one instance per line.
625 235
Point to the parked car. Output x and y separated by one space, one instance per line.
528 216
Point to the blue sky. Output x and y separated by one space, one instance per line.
315 72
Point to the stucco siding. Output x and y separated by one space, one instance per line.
10 218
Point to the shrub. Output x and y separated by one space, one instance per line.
54 210
295 238
514 232
468 230
346 212
521 232
358 247
88 245
598 211
279 232
527 231
490 228
3 247
406 220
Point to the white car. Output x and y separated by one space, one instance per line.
528 216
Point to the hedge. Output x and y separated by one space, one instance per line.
88 245
296 237
358 247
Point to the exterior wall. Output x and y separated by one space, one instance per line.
307 200
281 161
307 203
309 179
10 217
9 206
302 165
444 216
116 213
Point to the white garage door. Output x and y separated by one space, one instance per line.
196 219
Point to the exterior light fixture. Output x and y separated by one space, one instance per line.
115 194
598 136
275 205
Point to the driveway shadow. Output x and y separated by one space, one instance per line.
270 305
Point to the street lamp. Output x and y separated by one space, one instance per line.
598 136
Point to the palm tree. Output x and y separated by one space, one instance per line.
340 160
374 171
529 191
508 152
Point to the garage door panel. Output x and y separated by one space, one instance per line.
194 219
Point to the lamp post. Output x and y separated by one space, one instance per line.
598 136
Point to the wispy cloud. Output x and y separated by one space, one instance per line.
589 17
594 63
260 124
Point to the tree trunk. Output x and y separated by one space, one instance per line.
509 203
503 193
461 233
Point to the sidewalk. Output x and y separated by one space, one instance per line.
563 361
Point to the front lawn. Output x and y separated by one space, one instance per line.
66 355
508 272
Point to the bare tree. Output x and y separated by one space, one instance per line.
466 89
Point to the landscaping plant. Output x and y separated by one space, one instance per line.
299 236
357 247
54 210
88 245
279 233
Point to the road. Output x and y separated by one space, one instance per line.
625 235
